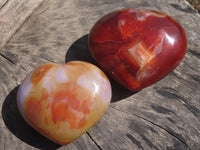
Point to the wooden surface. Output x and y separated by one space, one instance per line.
13 13
164 116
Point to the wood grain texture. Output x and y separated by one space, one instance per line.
13 13
164 116
2 3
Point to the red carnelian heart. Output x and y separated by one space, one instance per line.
137 47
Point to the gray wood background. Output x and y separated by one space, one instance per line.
164 116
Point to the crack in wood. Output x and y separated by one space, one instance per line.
99 147
8 59
194 53
171 95
135 141
3 4
172 134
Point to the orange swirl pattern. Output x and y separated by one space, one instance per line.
63 101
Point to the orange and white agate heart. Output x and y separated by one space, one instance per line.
63 101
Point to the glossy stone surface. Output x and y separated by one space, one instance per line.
137 48
63 101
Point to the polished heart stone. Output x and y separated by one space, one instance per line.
63 101
137 47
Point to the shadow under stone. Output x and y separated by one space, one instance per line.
20 128
79 51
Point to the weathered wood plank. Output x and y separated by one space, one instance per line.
163 116
13 13
2 2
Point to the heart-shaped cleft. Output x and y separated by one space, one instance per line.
137 47
63 101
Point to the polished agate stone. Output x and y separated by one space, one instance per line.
137 47
63 101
